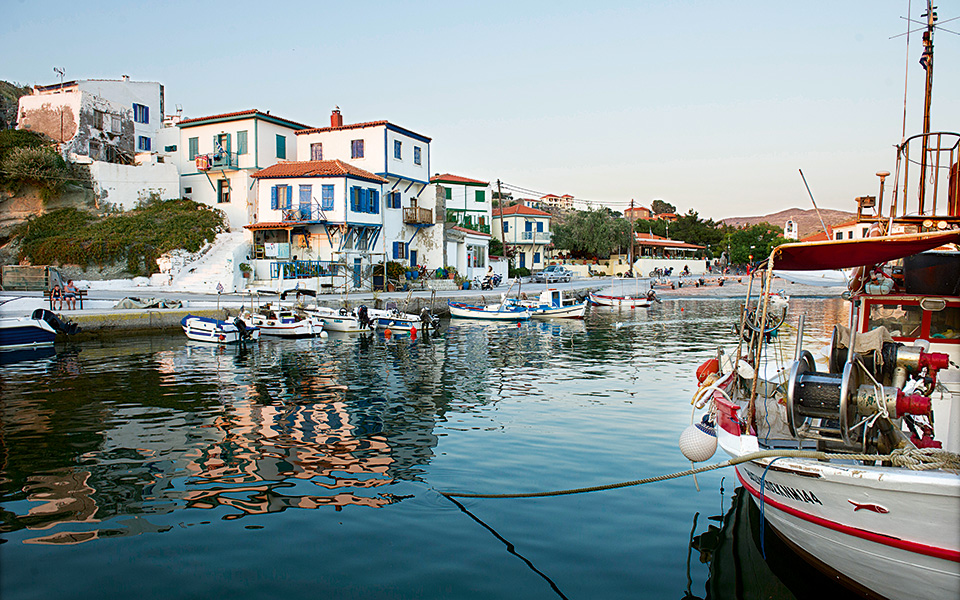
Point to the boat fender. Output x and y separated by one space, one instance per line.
698 442
745 370
707 368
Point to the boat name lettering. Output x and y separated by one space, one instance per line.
799 495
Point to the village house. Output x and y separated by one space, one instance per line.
218 154
564 202
637 212
468 217
525 229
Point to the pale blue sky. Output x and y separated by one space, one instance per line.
712 106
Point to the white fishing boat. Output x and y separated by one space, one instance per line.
636 301
343 320
504 311
207 329
856 464
281 322
553 304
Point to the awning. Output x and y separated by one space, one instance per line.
843 254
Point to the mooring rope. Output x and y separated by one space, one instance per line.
917 459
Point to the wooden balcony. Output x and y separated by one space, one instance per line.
418 216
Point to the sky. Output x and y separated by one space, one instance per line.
712 106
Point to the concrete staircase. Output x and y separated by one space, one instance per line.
217 265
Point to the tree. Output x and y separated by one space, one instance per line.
659 207
756 241
594 233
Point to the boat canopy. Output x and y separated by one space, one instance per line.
843 254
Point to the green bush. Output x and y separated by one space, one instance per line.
38 165
519 272
138 237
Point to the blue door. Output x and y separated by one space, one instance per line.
413 258
523 260
356 272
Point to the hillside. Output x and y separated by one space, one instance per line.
807 221
9 96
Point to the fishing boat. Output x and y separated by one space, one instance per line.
636 301
504 311
856 465
207 329
38 329
343 320
282 322
553 304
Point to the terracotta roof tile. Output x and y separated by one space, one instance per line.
316 168
448 178
519 209
471 231
360 126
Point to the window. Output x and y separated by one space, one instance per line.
223 191
397 145
141 113
281 197
480 195
188 190
194 145
94 150
416 155
536 258
143 143
399 250
326 197
281 146
98 119
172 148
839 235
393 200
506 227
864 232
539 226
850 235
316 151
356 149
116 125
447 193
242 142
374 204
221 144
306 199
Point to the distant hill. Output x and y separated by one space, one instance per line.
9 97
807 221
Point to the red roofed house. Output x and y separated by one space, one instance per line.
564 202
654 251
526 229
468 218
217 155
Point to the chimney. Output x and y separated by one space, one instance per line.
125 77
336 119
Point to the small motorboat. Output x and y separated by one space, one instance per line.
39 329
207 329
396 320
286 323
624 301
552 304
504 311
342 320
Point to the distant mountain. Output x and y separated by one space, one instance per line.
807 221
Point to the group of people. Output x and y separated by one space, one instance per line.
67 294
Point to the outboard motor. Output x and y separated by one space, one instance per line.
429 319
242 328
364 317
58 324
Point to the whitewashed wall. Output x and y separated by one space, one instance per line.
124 185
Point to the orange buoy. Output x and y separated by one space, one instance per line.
708 367
387 333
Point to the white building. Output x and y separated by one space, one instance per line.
108 120
468 210
409 212
525 229
217 155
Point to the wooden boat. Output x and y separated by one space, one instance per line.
343 320
38 329
624 301
552 304
504 311
206 329
286 323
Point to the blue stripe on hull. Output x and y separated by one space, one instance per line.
23 336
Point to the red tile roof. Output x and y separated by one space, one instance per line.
359 126
316 168
519 209
242 113
448 178
471 231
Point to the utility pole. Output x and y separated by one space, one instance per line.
60 72
506 255
630 247
926 61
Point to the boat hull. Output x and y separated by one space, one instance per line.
300 328
574 311
203 329
25 332
469 311
619 301
902 524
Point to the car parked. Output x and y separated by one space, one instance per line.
552 274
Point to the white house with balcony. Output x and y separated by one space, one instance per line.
317 219
468 211
408 212
525 230
218 154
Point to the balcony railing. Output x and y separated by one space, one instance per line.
217 160
304 269
418 216
535 237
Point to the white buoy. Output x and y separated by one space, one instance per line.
698 442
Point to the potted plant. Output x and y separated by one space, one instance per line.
245 270
451 272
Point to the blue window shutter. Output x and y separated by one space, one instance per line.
289 197
146 114
376 201
396 249
540 226
273 197
353 198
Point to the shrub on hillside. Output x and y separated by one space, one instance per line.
37 165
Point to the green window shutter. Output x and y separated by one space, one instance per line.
447 193
480 195
241 142
194 145
281 146
226 147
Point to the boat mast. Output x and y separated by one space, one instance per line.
926 61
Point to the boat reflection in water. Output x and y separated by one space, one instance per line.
748 560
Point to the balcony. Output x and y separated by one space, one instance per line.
534 237
418 216
217 160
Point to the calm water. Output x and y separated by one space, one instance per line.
166 468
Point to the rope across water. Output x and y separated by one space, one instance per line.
918 459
